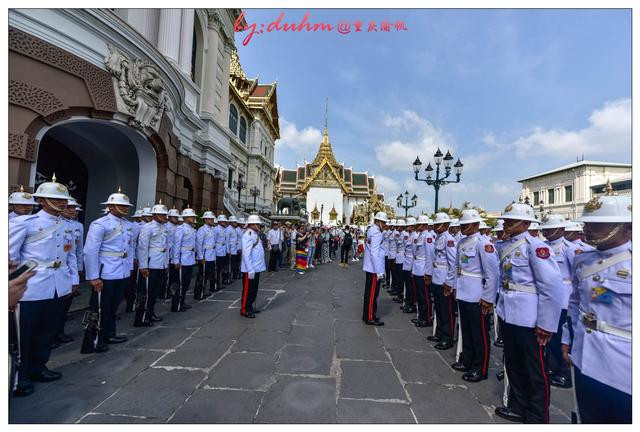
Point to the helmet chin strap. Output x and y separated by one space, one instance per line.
56 208
608 237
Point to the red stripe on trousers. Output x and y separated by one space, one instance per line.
245 294
546 385
485 363
372 295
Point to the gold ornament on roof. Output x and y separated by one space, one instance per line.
609 188
593 204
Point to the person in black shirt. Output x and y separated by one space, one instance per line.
346 247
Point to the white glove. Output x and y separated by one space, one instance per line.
251 275
380 276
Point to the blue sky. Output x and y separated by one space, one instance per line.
510 92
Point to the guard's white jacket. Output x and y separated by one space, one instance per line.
239 233
408 250
602 288
564 252
373 252
108 248
184 245
478 270
232 245
399 238
252 253
47 240
78 234
392 245
153 246
528 261
205 243
444 260
171 232
222 240
419 253
430 238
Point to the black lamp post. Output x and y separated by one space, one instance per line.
406 206
438 181
321 211
239 185
255 192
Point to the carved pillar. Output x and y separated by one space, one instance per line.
211 66
169 33
186 40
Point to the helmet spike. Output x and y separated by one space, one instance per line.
160 202
53 178
119 189
21 188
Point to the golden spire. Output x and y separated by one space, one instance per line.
609 188
326 115
53 178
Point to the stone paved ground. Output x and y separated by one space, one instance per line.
307 358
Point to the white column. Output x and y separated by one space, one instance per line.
186 40
169 33
211 67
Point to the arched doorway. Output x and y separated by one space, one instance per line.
95 157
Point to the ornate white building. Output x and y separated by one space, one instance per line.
137 98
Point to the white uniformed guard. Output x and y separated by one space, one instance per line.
454 230
173 278
529 304
240 229
252 265
553 228
398 276
153 255
478 278
206 250
443 282
147 216
421 292
600 310
222 251
21 203
234 240
107 253
392 248
70 214
410 235
42 238
184 258
374 268
534 229
573 233
388 263
134 279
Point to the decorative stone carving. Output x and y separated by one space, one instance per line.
39 100
140 89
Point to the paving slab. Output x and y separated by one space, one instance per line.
445 404
259 340
219 406
299 400
311 335
370 380
311 360
363 411
244 371
160 338
154 393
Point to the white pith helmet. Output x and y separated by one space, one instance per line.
607 208
72 202
174 212
392 222
21 197
454 223
552 221
483 225
52 189
118 198
411 221
519 211
254 219
137 213
222 218
188 212
208 215
534 226
441 218
574 227
381 216
159 209
424 220
499 226
146 211
233 219
469 216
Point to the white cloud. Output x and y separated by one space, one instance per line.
293 138
608 133
505 189
387 185
398 155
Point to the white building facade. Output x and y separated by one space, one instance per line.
565 190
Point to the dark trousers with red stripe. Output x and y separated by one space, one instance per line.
475 337
444 306
600 403
371 291
423 298
249 292
388 265
398 279
409 289
527 373
556 362
222 263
